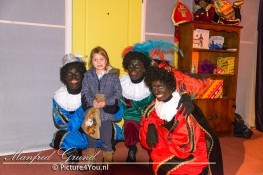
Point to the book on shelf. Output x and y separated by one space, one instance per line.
195 60
201 39
216 42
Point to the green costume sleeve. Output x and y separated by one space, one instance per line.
133 112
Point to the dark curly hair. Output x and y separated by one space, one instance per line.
133 55
80 66
153 73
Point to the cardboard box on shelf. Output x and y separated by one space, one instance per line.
231 65
226 64
213 89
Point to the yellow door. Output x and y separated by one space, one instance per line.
113 25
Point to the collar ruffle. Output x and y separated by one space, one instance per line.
167 110
133 91
67 101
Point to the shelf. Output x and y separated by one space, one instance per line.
209 50
213 26
222 75
212 75
214 99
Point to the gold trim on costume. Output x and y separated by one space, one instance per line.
192 130
163 162
63 139
172 128
176 167
148 110
179 165
61 126
54 138
212 144
61 115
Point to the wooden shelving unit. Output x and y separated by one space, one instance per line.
218 111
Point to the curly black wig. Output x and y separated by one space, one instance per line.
133 55
80 66
153 73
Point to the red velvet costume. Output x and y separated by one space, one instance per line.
186 149
206 15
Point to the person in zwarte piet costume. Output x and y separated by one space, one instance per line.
67 109
68 113
136 95
178 144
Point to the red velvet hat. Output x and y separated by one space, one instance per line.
181 13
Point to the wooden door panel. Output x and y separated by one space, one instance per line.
219 113
207 109
224 115
112 25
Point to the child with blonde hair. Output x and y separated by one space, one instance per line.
101 79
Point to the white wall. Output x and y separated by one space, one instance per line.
159 25
32 44
247 62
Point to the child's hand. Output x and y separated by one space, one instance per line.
102 104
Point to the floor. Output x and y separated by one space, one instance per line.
240 157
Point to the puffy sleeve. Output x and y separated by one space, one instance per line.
117 91
149 117
59 116
76 120
87 96
118 115
65 120
184 138
143 130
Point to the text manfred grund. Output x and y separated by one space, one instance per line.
19 157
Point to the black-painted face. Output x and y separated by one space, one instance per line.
136 69
73 79
160 90
203 3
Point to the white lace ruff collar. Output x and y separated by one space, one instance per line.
67 101
133 91
167 110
